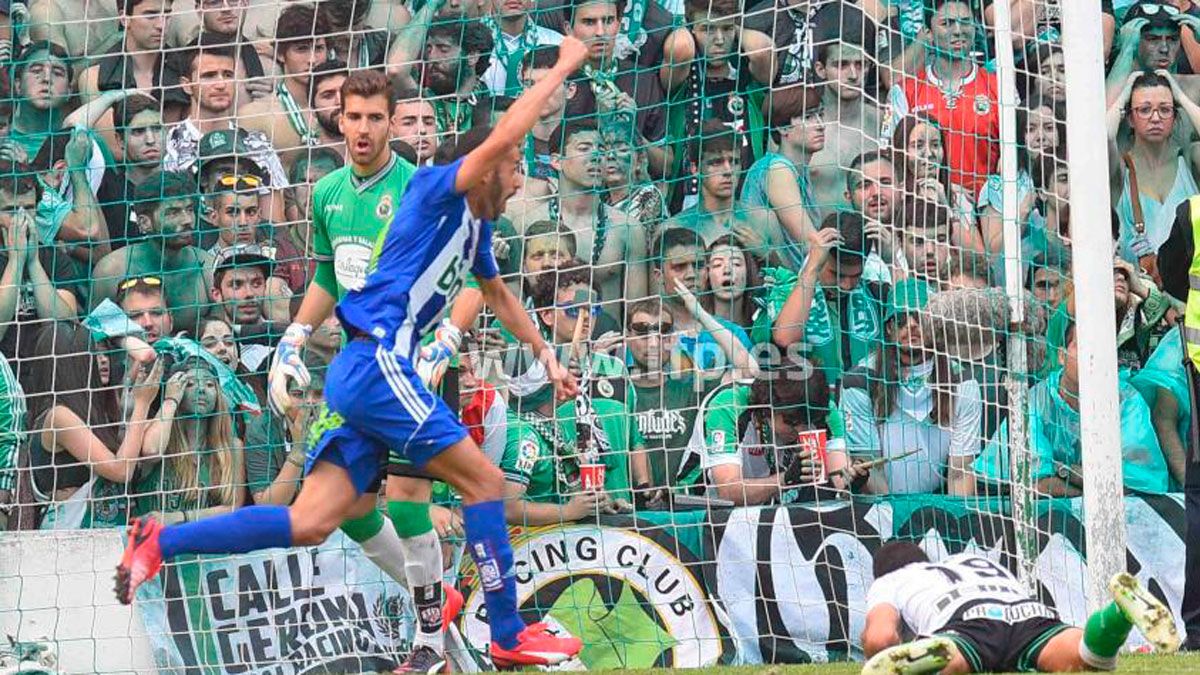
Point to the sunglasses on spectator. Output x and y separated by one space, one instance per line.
232 180
145 281
1152 9
572 309
644 328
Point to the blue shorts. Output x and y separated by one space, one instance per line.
383 405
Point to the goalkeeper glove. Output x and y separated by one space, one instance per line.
286 366
434 358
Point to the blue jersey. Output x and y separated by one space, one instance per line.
421 264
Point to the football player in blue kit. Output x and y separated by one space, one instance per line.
441 232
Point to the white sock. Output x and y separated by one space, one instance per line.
386 551
423 554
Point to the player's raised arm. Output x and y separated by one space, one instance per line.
519 119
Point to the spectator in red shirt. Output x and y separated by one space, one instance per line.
949 87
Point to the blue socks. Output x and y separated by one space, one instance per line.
254 528
250 528
487 541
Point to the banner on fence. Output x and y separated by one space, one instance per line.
776 584
323 609
636 599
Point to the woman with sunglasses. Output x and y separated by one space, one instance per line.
1155 170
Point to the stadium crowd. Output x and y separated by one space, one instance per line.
742 223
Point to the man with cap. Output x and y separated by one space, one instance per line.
233 217
1149 40
909 396
165 207
189 145
231 159
241 274
830 311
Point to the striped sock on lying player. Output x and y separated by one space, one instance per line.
1105 632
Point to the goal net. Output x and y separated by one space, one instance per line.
812 264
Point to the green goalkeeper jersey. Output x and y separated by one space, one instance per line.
350 213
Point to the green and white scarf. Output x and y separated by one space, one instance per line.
295 116
510 60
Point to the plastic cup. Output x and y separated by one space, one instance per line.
814 441
591 476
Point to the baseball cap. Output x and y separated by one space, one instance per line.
910 295
228 143
245 255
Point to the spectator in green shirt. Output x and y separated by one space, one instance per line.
275 447
745 446
670 389
1055 442
832 313
12 436
541 456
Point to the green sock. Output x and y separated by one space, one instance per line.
411 519
1106 631
362 529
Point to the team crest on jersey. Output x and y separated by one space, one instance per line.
605 388
384 209
983 105
736 105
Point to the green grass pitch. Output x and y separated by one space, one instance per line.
1129 663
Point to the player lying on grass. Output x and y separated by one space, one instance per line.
442 231
971 616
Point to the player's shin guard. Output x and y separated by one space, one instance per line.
487 542
423 568
1103 635
247 529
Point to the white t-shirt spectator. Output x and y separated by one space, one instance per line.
182 151
496 76
910 426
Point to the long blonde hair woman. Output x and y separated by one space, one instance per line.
202 470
